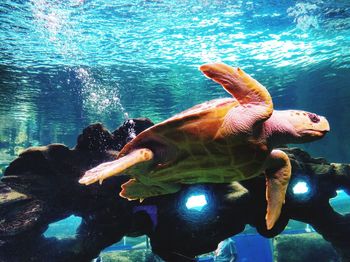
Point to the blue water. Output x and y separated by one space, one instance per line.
67 64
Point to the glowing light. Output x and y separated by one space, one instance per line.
196 202
300 188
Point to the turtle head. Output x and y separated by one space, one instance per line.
296 126
307 126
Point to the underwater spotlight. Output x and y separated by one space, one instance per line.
196 202
301 187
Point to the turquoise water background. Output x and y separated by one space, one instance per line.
66 64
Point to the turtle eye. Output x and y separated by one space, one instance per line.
314 118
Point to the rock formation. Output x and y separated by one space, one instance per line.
41 187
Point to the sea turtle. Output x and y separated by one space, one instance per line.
219 141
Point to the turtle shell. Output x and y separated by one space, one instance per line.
187 148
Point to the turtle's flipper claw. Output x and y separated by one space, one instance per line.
88 178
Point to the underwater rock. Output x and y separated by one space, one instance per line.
98 139
41 187
127 256
182 234
303 247
18 212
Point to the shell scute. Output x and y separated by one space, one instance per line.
197 123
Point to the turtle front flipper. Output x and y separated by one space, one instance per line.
116 167
255 103
278 174
240 85
133 190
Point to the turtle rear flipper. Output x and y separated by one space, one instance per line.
133 190
277 178
116 167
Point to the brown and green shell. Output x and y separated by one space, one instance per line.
189 146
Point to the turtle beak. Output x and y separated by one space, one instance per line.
323 127
326 127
